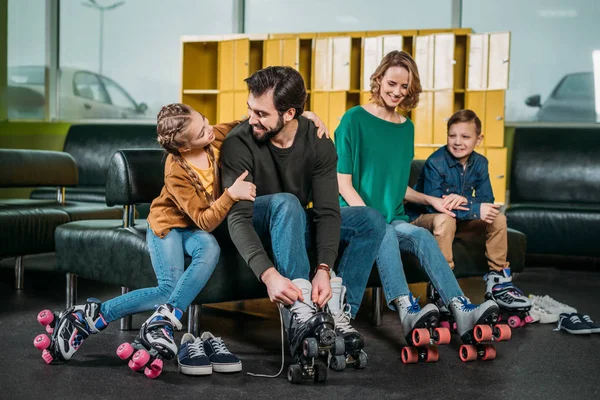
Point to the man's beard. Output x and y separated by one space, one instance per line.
270 134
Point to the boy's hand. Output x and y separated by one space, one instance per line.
438 204
489 212
321 128
452 201
321 288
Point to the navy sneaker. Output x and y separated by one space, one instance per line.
573 324
192 358
222 360
594 328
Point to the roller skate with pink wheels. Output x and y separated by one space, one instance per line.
421 331
514 305
68 329
478 328
155 342
446 319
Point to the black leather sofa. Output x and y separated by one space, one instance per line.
555 190
27 226
116 253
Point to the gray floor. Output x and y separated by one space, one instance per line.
536 364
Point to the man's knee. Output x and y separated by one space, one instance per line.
286 203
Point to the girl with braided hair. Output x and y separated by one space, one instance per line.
190 206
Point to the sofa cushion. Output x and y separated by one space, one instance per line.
27 168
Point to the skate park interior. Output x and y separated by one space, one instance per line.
543 166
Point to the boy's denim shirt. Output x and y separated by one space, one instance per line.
443 175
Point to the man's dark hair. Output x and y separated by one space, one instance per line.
287 86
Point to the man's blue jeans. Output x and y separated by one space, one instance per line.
175 286
402 237
281 221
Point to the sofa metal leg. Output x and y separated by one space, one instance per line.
377 306
71 289
125 321
19 272
194 312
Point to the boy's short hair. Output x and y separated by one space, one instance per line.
465 116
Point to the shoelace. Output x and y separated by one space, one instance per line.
466 305
301 314
196 349
587 319
342 320
279 307
574 319
414 307
219 346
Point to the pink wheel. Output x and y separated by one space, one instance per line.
47 356
529 319
124 351
502 332
489 352
421 337
410 355
467 352
445 324
432 354
514 321
45 317
141 358
49 329
154 370
443 335
134 366
41 341
454 326
482 333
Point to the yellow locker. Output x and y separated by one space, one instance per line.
240 105
290 53
424 60
224 107
320 106
443 107
242 62
497 168
477 63
499 49
423 153
341 47
371 57
365 97
391 43
444 61
206 104
199 65
423 118
322 64
272 52
226 65
476 101
337 108
494 118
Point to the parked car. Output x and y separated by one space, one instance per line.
82 95
572 100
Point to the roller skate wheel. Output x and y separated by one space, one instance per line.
294 374
442 335
489 352
124 351
338 363
134 366
529 319
361 360
410 355
445 324
47 356
482 333
432 354
49 329
41 341
320 372
467 352
154 370
45 317
454 326
339 347
420 337
514 321
310 348
502 332
141 358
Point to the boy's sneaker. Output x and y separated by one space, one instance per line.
192 358
221 359
594 328
573 324
551 305
542 316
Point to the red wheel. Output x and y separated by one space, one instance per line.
45 317
41 341
514 321
443 335
502 332
421 337
124 351
134 366
432 354
489 352
154 370
410 355
141 358
445 324
482 333
468 352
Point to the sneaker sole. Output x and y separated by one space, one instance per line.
198 370
577 332
235 367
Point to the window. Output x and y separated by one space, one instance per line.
575 86
88 86
118 96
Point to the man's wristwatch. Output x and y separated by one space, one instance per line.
324 267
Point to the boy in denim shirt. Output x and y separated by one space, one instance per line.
460 176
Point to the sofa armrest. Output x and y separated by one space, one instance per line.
27 168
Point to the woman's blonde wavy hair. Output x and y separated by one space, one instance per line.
398 59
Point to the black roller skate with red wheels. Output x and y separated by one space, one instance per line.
69 330
311 337
477 326
514 305
421 331
155 342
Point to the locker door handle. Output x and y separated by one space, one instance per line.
500 177
346 64
453 62
505 60
446 119
498 118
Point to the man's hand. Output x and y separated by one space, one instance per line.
321 288
452 201
489 212
279 288
321 128
438 204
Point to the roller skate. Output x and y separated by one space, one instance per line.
155 342
348 347
446 319
477 325
311 337
69 330
514 305
420 329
